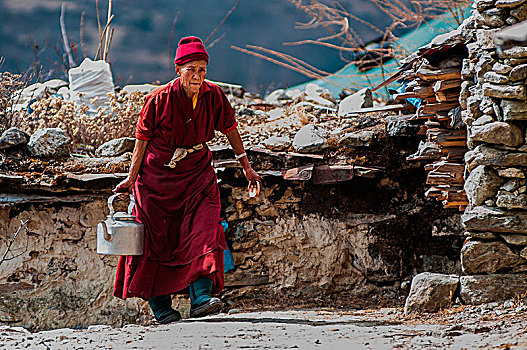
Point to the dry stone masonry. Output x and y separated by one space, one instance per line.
493 92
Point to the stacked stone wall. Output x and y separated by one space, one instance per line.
493 95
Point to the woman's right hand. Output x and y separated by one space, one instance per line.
125 186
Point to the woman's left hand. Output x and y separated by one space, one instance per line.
254 180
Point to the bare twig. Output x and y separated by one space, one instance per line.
106 46
101 39
10 243
170 53
98 18
83 45
65 40
221 22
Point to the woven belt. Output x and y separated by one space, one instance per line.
180 153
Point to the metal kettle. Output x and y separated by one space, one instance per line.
120 234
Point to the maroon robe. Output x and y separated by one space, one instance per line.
179 207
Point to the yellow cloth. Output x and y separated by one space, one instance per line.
195 100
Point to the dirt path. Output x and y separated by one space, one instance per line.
493 326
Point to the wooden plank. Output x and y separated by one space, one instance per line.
447 84
433 75
448 95
386 108
431 108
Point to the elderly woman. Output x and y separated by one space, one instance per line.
176 190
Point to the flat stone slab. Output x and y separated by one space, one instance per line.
483 218
482 289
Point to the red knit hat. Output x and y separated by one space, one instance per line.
189 49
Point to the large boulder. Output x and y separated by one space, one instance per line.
430 292
49 142
116 147
361 99
310 139
487 257
482 289
482 183
13 138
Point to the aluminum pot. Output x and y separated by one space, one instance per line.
120 233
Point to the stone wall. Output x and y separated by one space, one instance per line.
354 243
494 257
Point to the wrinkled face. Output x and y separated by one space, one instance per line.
192 75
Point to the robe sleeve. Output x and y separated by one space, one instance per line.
144 129
224 118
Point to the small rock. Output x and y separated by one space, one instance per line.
485 38
497 132
484 218
523 253
276 97
482 235
358 139
116 147
483 4
509 3
518 73
485 155
487 257
495 78
430 292
310 139
501 68
49 142
505 91
277 143
467 69
400 126
511 172
360 99
515 239
146 88
510 200
513 110
13 138
314 94
55 84
520 13
481 184
511 20
514 52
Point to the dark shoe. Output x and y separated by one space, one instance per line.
169 318
210 307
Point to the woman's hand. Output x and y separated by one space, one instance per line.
254 181
125 186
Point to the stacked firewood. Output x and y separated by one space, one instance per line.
436 87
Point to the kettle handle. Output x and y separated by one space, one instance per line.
130 206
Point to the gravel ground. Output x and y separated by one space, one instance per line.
491 326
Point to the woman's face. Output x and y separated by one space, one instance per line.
192 75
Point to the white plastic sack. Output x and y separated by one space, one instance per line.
90 83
